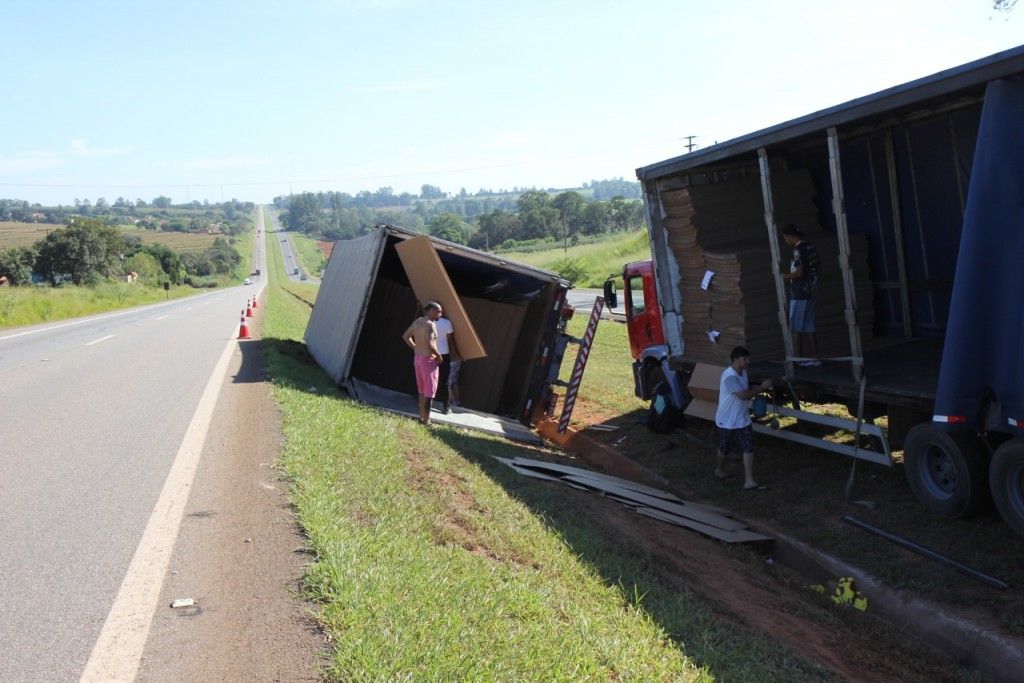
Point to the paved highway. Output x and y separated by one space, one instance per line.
92 414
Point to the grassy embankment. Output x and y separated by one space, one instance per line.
309 254
432 561
32 305
588 265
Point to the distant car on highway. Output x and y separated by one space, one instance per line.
248 281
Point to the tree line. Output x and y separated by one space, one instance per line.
89 251
230 217
485 220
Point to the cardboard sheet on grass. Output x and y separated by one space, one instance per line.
703 386
430 282
405 404
648 501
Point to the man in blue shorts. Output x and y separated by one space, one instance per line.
733 417
803 280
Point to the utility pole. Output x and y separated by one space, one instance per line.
690 144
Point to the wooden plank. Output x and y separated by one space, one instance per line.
739 536
579 472
680 509
430 281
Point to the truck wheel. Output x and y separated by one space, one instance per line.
947 472
1006 477
662 415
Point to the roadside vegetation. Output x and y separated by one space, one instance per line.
586 265
309 253
485 220
432 561
91 266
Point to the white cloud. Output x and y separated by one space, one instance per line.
217 163
29 162
81 147
410 86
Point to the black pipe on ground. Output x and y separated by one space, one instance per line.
927 552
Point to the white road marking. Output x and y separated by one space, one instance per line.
163 317
118 650
97 341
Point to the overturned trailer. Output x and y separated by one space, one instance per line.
508 320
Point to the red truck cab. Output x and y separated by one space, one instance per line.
643 315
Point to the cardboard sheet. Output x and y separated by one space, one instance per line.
704 382
430 282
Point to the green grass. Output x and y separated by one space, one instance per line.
588 265
31 305
310 254
431 561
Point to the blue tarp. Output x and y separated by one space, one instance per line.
985 333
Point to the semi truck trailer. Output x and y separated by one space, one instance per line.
914 197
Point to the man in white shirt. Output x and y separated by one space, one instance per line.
733 417
446 347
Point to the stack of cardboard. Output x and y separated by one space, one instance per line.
720 243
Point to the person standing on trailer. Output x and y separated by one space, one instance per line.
733 418
421 337
803 280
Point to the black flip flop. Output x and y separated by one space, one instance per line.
759 487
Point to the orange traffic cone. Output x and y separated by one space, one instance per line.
254 301
248 309
243 331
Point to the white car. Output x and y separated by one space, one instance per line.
248 281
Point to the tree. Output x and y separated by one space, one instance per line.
449 226
432 192
16 264
595 218
87 250
570 206
162 202
170 261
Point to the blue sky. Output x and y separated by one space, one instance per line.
214 100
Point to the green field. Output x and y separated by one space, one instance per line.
588 265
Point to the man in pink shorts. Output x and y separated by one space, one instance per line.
421 337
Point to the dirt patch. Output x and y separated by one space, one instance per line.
462 516
752 592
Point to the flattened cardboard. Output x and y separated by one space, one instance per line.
430 282
705 410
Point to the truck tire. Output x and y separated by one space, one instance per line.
662 415
947 472
1006 479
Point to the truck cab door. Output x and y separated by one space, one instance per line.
643 317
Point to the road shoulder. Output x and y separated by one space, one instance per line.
238 554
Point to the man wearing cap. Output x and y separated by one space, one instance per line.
803 280
421 337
